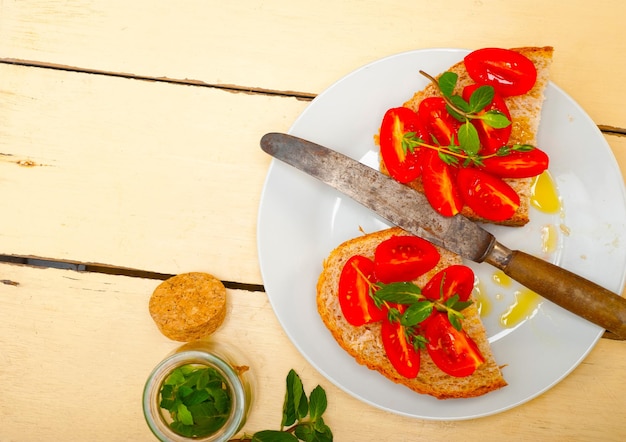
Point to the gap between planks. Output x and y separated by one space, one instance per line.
106 269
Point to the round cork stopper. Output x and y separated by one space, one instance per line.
188 306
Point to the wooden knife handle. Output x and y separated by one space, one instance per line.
570 291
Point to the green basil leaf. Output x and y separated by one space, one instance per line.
176 377
523 147
184 391
468 139
317 403
461 305
184 415
273 436
305 432
495 119
416 313
296 405
399 293
196 397
168 397
481 98
447 83
203 379
503 151
459 102
448 159
454 320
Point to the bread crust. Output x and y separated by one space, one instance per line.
364 343
525 115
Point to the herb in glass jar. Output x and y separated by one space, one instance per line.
198 400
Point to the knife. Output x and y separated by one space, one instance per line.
409 209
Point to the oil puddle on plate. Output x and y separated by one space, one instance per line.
503 303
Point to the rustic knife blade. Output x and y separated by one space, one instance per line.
409 209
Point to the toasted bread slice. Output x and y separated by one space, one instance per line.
525 115
364 343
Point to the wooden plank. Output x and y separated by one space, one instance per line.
78 347
137 174
191 153
282 45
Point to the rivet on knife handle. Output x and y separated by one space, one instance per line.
564 288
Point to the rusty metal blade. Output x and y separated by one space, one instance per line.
397 203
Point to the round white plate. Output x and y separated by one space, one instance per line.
301 220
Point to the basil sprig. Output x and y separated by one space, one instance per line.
465 149
302 416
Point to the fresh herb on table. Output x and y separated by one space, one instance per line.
197 398
295 425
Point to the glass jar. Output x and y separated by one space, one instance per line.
228 365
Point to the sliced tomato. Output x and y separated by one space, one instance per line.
440 185
509 72
400 351
453 351
487 195
403 258
357 305
452 280
491 139
402 164
517 164
437 121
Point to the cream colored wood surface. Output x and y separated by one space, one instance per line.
304 46
99 163
137 174
78 347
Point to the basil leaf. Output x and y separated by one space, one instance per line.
296 405
448 159
495 119
416 313
523 147
481 98
468 139
399 293
176 377
317 403
184 415
447 83
460 103
454 320
196 397
322 431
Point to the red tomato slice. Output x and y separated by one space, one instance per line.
453 351
487 195
457 280
400 351
437 121
491 139
440 185
402 166
517 164
356 304
509 72
403 258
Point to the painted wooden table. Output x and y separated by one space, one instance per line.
129 151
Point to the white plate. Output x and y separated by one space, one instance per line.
301 220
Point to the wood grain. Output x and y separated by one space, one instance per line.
151 176
287 46
129 137
78 347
